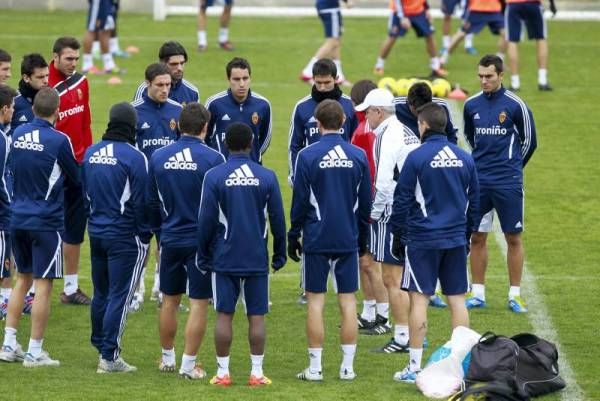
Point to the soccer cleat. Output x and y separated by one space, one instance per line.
545 88
28 304
307 375
134 306
437 301
381 326
42 360
201 48
474 302
346 374
10 354
378 71
439 73
3 309
154 294
302 299
195 374
392 347
121 54
76 298
227 46
471 50
117 366
306 78
224 380
93 70
166 367
364 324
406 376
517 305
254 381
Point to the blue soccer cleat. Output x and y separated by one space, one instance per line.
406 376
437 301
517 305
471 50
474 302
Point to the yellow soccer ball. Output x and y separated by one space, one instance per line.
402 86
388 83
441 87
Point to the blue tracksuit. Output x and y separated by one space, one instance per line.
4 191
437 196
157 124
23 112
115 179
41 158
500 129
255 112
236 198
182 92
406 117
332 196
304 131
176 175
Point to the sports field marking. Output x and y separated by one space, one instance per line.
538 315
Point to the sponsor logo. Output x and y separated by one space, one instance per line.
29 141
502 117
445 158
335 158
104 156
181 161
255 118
71 112
493 130
157 142
242 176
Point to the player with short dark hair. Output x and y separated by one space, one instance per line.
176 175
435 205
236 198
34 76
239 104
115 178
5 63
330 212
175 57
74 119
42 161
501 131
100 23
224 21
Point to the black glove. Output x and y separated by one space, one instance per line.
398 244
553 7
277 262
294 248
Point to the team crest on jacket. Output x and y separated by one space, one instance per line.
79 94
255 118
502 117
172 124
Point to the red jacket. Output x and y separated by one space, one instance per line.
74 117
364 138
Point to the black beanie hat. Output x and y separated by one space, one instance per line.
122 120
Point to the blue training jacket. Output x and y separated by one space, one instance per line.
115 178
4 189
304 131
156 124
437 195
255 112
41 159
406 117
236 199
500 129
23 112
182 92
176 175
332 196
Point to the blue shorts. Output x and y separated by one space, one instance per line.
177 265
100 15
381 243
38 252
531 14
332 22
419 23
343 268
75 216
476 21
204 4
425 266
5 254
254 289
448 6
509 205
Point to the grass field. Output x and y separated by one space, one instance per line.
562 210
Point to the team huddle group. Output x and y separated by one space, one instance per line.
395 210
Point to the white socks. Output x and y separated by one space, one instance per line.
414 362
202 41
380 63
113 45
434 63
446 41
188 362
513 292
71 282
223 35
383 309
478 291
543 76
369 310
109 63
401 334
168 356
340 73
468 41
35 347
348 352
88 62
307 71
314 357
222 365
257 363
515 82
10 337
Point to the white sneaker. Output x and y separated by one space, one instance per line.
154 294
102 365
346 374
116 366
10 354
195 374
166 367
43 360
134 306
307 375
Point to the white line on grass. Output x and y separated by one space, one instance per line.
539 316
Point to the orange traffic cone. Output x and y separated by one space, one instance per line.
457 94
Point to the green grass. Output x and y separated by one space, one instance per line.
562 184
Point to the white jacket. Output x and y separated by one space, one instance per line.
393 143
